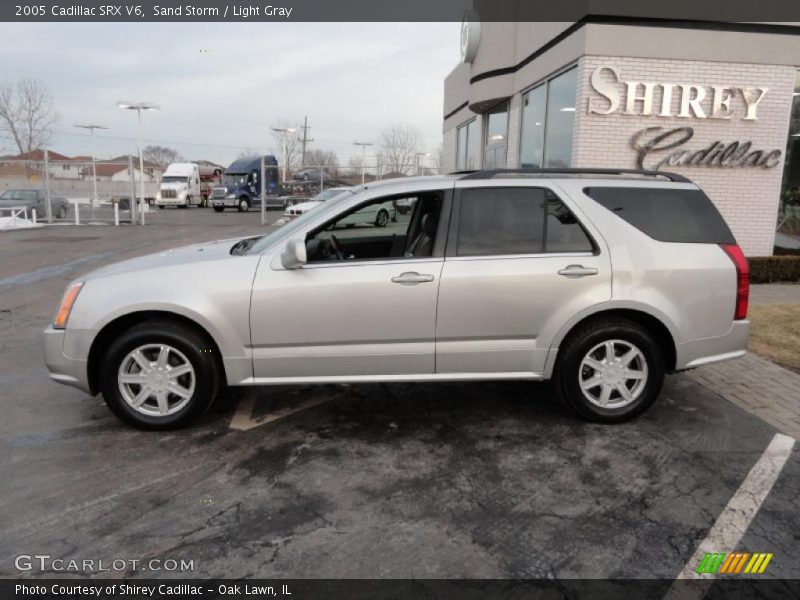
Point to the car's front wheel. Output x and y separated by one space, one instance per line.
244 205
609 370
382 218
159 375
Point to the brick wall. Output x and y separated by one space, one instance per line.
747 197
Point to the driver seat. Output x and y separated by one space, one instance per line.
422 245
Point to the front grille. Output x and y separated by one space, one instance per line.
219 192
169 194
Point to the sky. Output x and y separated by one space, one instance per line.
222 85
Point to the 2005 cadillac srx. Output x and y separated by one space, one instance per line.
602 280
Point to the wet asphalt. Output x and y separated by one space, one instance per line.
486 480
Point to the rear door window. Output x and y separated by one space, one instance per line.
503 221
666 215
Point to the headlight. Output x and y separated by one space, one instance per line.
62 316
158 196
182 194
231 196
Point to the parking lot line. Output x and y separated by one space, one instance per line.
743 506
243 418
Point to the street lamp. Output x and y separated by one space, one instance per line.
363 148
139 107
417 155
94 170
285 131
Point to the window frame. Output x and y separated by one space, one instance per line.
437 253
545 81
451 251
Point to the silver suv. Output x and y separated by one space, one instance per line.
602 280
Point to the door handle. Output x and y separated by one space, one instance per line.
577 271
411 278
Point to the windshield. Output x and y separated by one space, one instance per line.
300 222
174 179
235 178
19 195
326 195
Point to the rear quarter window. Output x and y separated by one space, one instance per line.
666 215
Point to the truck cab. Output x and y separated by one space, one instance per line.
180 186
241 184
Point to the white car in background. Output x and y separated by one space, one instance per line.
292 212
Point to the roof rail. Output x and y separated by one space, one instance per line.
491 173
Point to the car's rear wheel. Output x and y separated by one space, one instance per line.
159 375
382 218
244 205
609 370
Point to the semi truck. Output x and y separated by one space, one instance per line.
180 186
241 185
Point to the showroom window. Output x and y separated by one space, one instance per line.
467 139
494 152
789 213
548 112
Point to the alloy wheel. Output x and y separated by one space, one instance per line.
613 374
156 380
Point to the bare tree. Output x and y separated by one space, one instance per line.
354 165
161 155
288 142
399 144
27 114
438 159
322 158
248 153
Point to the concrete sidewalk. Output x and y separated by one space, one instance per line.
758 386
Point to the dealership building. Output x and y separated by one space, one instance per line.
716 102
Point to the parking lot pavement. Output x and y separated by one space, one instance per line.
487 479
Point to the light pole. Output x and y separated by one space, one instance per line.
417 155
139 107
285 131
91 128
363 148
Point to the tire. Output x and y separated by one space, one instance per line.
605 403
219 208
160 207
187 347
244 205
382 218
188 202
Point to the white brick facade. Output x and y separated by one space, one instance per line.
747 197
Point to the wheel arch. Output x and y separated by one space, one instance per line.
655 324
124 322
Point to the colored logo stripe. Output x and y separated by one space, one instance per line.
734 563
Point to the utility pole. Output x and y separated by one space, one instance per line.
363 148
305 139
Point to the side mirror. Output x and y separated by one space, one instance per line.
294 256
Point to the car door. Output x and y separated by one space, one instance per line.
518 265
348 319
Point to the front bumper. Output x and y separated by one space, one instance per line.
226 202
69 371
711 350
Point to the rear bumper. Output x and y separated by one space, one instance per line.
69 371
711 350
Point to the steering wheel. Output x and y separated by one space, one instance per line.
337 247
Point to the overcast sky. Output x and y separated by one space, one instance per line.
221 85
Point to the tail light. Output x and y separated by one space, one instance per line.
742 279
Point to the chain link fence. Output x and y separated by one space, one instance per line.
67 191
